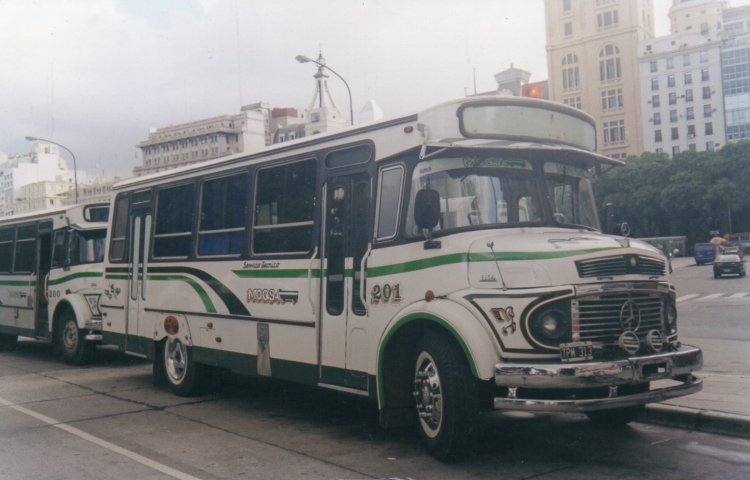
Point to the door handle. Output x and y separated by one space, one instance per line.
309 280
362 265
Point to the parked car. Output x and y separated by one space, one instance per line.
729 264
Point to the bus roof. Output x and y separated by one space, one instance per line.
566 132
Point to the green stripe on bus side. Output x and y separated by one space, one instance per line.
207 303
422 264
403 321
282 273
75 276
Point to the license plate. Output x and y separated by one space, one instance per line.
576 351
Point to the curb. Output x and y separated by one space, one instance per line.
695 419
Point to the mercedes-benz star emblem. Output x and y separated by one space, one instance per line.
630 316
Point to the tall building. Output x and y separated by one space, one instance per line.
680 81
206 139
735 66
35 179
592 60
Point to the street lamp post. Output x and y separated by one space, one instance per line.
304 59
75 167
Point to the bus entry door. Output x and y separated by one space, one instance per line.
346 237
140 229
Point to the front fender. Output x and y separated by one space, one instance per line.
469 331
80 308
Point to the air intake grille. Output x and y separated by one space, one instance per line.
620 265
599 316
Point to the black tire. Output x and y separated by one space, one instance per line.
446 394
70 341
8 342
182 374
616 416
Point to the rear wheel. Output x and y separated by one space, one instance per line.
616 416
8 341
182 374
71 344
446 396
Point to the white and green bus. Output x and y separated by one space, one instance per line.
441 264
51 278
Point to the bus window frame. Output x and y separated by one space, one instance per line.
246 227
398 224
190 234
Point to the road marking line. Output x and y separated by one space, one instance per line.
685 298
98 441
710 297
738 295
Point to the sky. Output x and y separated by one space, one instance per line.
96 75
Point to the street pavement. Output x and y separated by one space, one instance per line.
723 406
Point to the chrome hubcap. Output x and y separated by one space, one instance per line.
70 336
175 360
428 394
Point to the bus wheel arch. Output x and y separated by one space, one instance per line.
396 364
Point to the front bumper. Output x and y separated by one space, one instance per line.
533 387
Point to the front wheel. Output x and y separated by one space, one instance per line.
8 341
446 396
72 345
182 374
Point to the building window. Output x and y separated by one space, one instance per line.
689 95
657 118
688 78
675 133
574 102
670 81
614 132
670 63
568 28
690 113
654 66
570 72
675 150
566 5
705 76
704 28
691 131
703 57
691 147
673 116
609 64
607 19
706 93
654 84
686 60
709 128
672 98
655 102
612 99
707 110
657 136
710 146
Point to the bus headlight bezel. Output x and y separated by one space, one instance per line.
551 325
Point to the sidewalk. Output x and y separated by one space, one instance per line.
723 406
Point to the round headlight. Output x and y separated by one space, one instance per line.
551 325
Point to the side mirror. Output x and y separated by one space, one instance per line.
427 209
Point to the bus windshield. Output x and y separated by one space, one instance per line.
502 191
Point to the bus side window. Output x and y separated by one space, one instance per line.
389 201
284 208
25 255
174 222
6 249
221 230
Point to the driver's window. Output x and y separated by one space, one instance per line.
59 250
